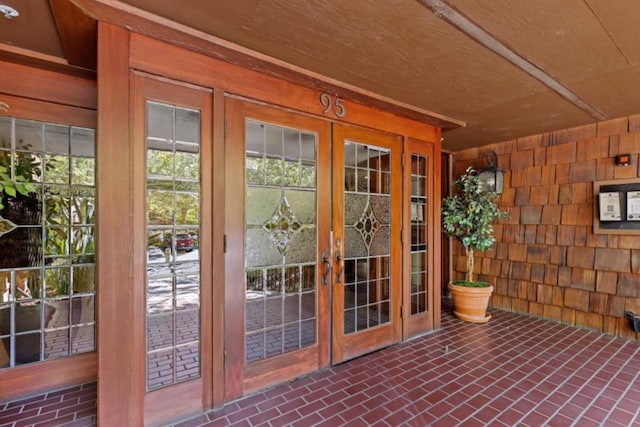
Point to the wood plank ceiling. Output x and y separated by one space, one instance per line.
507 68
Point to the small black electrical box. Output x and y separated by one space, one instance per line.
623 159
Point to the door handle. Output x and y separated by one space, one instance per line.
340 267
327 268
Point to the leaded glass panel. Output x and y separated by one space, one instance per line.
367 224
47 242
173 256
280 240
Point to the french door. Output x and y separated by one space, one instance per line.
314 244
278 226
367 190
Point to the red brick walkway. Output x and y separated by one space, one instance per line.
513 371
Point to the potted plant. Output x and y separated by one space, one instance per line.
468 216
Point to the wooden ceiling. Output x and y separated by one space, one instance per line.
508 68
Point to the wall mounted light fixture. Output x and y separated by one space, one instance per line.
491 178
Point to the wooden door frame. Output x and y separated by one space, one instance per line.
195 395
51 104
416 324
241 378
381 336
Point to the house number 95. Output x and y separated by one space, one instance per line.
333 105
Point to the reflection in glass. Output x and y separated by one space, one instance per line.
280 249
367 224
47 245
173 243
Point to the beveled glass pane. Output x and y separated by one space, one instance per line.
274 281
255 170
362 318
187 326
83 171
28 166
57 205
349 179
188 125
349 321
83 142
83 240
159 121
254 314
362 180
307 332
160 366
83 339
187 165
362 156
292 279
83 210
188 362
56 169
362 294
160 331
56 343
159 295
349 270
84 279
374 314
28 284
273 311
187 292
56 313
160 207
21 248
349 296
273 342
292 336
29 135
274 170
160 163
273 141
308 305
82 310
27 316
27 348
254 138
254 346
291 308
187 209
307 176
57 241
255 283
56 139
291 173
56 282
308 277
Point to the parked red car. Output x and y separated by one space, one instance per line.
184 242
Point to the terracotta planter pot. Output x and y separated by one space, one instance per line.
470 304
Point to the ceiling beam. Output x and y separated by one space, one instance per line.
445 11
78 33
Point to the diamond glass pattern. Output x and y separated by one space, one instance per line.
367 225
282 225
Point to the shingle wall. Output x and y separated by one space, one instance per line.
547 261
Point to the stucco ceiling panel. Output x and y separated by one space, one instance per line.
563 38
620 19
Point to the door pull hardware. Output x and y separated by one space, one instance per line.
327 268
340 267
